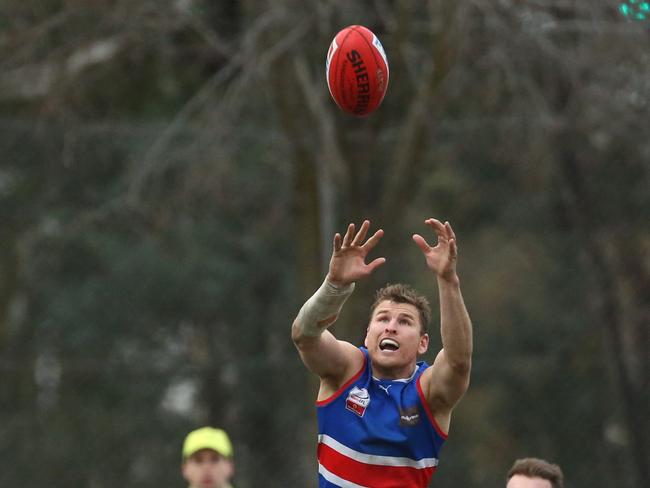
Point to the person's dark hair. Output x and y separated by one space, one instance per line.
400 293
538 468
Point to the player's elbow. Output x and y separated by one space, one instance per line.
297 335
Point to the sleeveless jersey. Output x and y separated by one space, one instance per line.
375 433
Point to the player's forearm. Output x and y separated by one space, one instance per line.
320 311
455 325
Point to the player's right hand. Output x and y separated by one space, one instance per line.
348 262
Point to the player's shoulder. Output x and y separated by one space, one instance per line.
356 363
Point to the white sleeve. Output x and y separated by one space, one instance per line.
322 309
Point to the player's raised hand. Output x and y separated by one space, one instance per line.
348 262
441 258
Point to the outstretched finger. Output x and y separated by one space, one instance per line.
372 242
421 243
436 225
450 231
337 242
349 235
453 250
361 235
375 263
441 231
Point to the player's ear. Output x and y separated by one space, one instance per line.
365 341
423 346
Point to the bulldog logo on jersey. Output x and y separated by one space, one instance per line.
357 401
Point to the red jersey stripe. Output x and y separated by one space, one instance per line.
373 475
426 408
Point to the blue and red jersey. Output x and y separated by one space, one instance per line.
377 433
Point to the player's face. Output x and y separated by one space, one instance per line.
393 339
207 469
520 481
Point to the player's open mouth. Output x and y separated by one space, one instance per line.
388 345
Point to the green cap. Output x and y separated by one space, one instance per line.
207 438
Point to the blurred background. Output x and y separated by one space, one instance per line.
172 173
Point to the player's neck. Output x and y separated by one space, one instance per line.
395 373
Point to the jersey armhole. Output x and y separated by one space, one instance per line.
425 406
338 392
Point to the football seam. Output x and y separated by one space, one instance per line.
338 70
374 55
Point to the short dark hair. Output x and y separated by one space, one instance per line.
538 468
400 293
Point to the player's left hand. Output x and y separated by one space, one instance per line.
441 258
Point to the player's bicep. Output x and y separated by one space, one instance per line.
328 357
444 385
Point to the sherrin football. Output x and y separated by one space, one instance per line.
357 70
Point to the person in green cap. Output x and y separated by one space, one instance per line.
207 459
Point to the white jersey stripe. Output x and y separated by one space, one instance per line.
332 478
375 459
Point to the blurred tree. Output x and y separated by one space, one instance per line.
172 174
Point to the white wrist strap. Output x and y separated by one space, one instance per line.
322 309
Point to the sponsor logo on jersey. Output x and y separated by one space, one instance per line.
357 401
385 388
409 417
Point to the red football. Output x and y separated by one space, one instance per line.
357 70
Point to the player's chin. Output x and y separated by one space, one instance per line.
388 357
